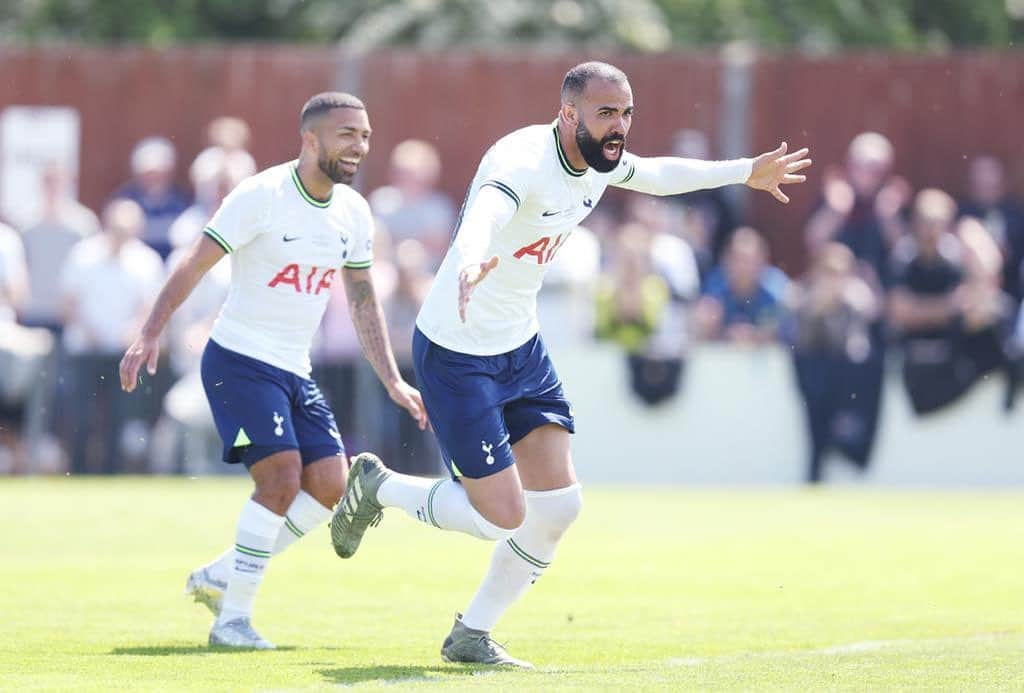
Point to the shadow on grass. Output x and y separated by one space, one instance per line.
401 674
179 650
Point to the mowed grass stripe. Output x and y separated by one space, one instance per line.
724 590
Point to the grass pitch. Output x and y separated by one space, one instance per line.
653 589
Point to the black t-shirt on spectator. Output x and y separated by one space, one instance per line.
931 277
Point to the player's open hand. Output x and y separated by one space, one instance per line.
776 168
144 350
468 278
407 397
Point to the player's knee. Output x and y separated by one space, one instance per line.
328 492
278 492
554 511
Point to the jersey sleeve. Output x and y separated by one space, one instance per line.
360 255
509 171
240 217
669 175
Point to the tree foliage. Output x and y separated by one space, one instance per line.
643 25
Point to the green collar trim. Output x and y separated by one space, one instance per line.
562 158
294 168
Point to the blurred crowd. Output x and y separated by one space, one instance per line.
891 272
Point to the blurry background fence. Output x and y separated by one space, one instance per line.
937 110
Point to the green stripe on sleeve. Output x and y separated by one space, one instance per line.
503 188
359 265
217 238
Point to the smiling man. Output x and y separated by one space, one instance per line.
289 230
492 394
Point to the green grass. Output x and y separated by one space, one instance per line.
658 589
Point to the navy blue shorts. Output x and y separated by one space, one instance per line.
260 409
480 406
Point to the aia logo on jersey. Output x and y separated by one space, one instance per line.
543 249
316 280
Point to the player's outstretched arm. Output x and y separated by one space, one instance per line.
203 255
368 319
776 168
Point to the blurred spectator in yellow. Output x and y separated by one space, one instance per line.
633 301
861 206
411 206
838 367
709 216
48 241
989 201
743 297
107 285
152 187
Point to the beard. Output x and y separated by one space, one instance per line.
592 149
332 168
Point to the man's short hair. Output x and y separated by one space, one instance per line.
577 78
324 102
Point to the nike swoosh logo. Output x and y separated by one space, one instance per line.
548 214
588 203
289 240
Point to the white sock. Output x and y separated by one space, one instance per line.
303 515
258 528
521 560
442 503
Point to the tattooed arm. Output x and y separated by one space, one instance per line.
368 318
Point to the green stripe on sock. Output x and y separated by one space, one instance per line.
252 552
292 528
525 556
430 503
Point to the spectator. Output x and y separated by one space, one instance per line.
709 216
13 383
412 449
13 273
742 300
107 284
226 137
839 368
925 301
862 206
988 200
410 206
152 187
633 300
214 174
987 311
63 223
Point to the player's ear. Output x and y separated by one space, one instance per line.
569 114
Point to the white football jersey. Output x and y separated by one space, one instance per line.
552 198
286 249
